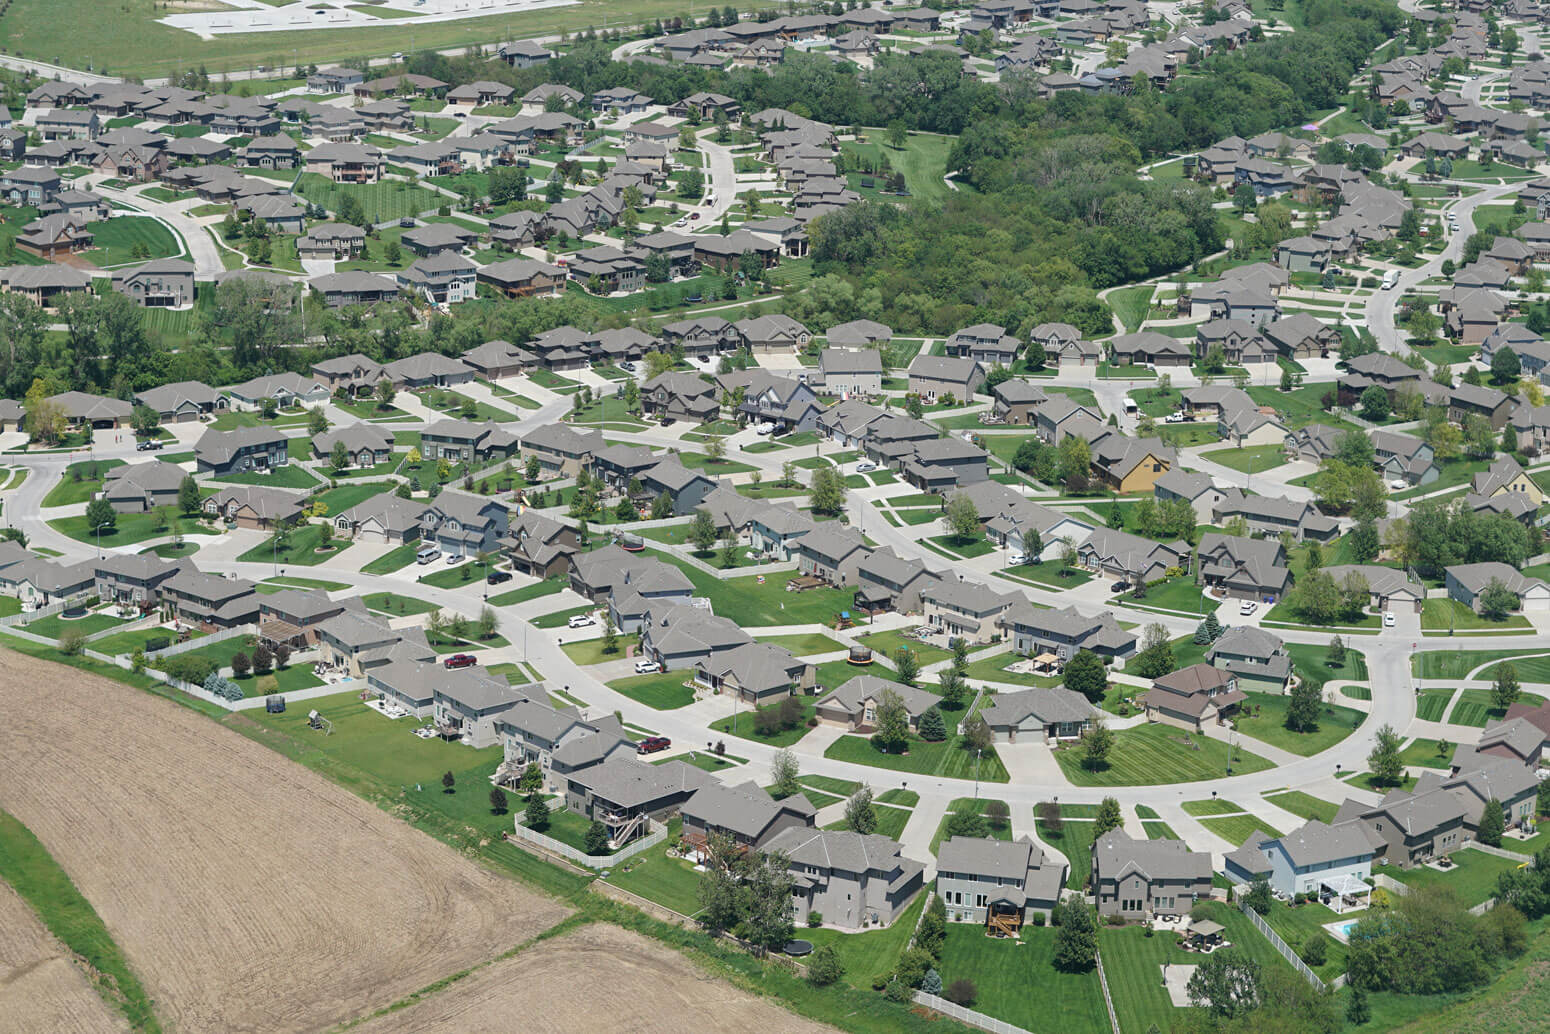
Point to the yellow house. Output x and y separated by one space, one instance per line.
1506 476
1129 464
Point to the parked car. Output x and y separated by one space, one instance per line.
1016 559
646 666
149 445
652 744
764 428
1388 619
627 365
461 660
581 620
865 467
454 558
1175 418
496 577
1247 607
1119 586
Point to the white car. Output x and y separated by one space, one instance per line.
1174 418
1017 559
647 667
1388 619
865 467
455 558
581 620
764 429
1398 484
1247 607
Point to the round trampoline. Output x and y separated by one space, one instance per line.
796 949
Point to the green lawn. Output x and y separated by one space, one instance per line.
1473 877
344 497
129 642
1425 754
1309 662
806 644
741 724
747 602
1474 707
1445 614
1075 841
292 677
291 475
301 550
1018 981
664 690
1268 725
1296 925
444 577
1253 459
1150 754
874 952
922 160
55 625
131 528
117 238
389 199
529 592
396 604
1458 664
951 758
993 669
1052 574
1235 829
44 885
1176 594
1306 805
972 806
394 559
559 618
1432 703
670 882
1131 304
590 651
887 644
961 547
69 490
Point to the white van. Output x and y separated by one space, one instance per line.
427 555
1390 279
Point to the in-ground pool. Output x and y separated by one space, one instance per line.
1342 931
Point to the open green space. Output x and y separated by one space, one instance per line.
1445 614
1179 595
1431 704
117 240
971 806
1475 708
47 889
670 882
529 592
396 604
128 642
55 625
922 160
1131 305
993 669
301 549
382 201
587 652
91 474
1311 664
1150 754
291 475
748 602
1297 923
952 758
1459 664
1018 982
664 690
804 644
1306 805
1268 724
1252 459
966 548
742 724
1052 574
129 528
344 497
1235 829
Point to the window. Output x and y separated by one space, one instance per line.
980 900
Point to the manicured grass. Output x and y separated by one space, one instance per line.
1335 723
131 528
394 559
993 669
301 550
444 577
117 238
806 644
670 882
887 644
1150 754
1475 708
1367 781
1052 574
966 548
389 199
1310 663
292 677
907 798
1213 806
1176 594
528 592
590 651
1075 841
951 758
10 605
1131 304
1296 925
873 952
971 806
344 497
55 625
747 602
1444 614
664 690
1254 458
1306 805
1235 829
560 618
44 885
129 642
290 475
1283 613
69 490
1459 664
1133 962
1018 981
396 604
1425 754
1473 877
741 725
922 160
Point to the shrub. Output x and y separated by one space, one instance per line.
155 643
1114 920
815 919
188 668
962 992
897 991
824 967
72 641
1315 950
1039 919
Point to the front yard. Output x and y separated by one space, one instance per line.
1149 754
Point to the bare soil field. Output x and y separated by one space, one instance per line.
249 893
600 978
40 988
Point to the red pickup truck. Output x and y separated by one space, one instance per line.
461 660
652 744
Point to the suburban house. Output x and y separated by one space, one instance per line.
1504 477
384 518
466 703
1198 490
758 673
558 740
679 638
964 609
428 369
208 601
1467 584
539 546
1255 658
1048 716
746 814
1244 569
1016 400
1389 589
463 524
998 883
1270 516
1330 863
1128 464
365 445
855 881
287 389
255 507
935 377
561 450
142 487
846 372
601 573
132 579
886 581
241 449
159 284
1139 879
292 616
855 703
1131 558
831 554
1061 633
1193 697
182 401
496 359
460 441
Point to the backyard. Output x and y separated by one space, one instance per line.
1018 982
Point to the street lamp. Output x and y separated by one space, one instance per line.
98 530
